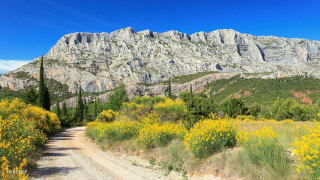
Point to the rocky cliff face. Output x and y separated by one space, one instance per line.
99 61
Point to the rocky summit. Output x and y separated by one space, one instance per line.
100 61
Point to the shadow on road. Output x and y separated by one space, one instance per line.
49 171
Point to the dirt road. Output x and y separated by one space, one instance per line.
70 155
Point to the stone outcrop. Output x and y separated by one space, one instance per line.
100 61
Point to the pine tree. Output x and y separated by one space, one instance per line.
58 110
41 96
169 90
64 109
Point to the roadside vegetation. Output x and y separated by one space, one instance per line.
194 134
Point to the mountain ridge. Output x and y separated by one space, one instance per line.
100 61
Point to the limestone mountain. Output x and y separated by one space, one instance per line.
100 61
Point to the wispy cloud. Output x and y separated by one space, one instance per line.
62 7
10 65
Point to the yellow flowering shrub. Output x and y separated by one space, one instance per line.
107 116
209 136
170 110
307 151
160 134
44 120
135 110
115 130
23 131
149 119
19 141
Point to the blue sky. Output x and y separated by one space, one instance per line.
28 28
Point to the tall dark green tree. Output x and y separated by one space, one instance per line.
64 109
78 117
169 90
190 90
95 107
47 99
58 110
41 95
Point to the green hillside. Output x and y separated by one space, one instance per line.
266 91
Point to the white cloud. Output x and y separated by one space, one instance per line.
10 65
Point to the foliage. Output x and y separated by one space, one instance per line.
265 91
234 107
307 150
263 149
254 109
23 131
169 90
160 134
118 97
115 130
170 110
107 116
187 78
31 96
41 96
291 109
79 113
209 136
198 105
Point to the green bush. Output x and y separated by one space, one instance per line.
234 107
116 99
291 109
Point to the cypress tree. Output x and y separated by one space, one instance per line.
191 93
47 100
58 110
169 90
41 96
95 107
79 109
64 109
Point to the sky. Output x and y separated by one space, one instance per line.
29 28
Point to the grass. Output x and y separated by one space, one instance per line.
265 91
190 77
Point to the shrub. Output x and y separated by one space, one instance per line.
170 110
149 119
307 150
20 138
160 134
43 120
135 110
209 136
263 149
254 110
118 97
291 109
116 130
234 107
107 116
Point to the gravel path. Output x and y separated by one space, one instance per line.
70 155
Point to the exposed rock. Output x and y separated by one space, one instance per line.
100 61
